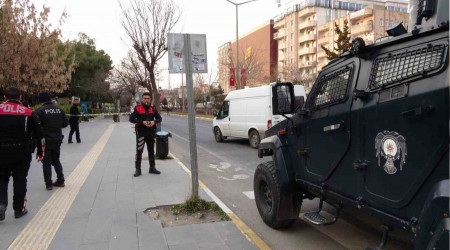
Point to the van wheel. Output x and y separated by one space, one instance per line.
254 139
267 196
218 134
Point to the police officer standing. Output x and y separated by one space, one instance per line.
52 120
20 129
145 117
74 120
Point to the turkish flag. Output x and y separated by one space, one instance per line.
232 77
243 77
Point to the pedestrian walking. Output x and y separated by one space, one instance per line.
53 119
74 121
145 116
20 133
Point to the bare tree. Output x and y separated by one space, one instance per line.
290 72
252 63
146 25
130 74
202 85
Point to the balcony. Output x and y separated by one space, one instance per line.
361 14
307 11
323 40
306 24
281 45
322 64
362 28
322 54
323 27
279 24
306 38
308 64
306 51
279 34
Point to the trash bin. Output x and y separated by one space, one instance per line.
162 144
116 118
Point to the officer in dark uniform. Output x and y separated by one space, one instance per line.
145 117
74 120
20 130
52 120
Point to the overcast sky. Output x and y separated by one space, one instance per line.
100 19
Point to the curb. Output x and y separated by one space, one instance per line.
201 118
245 230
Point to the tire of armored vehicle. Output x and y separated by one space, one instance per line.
373 135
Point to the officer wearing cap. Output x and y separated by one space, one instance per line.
53 119
20 129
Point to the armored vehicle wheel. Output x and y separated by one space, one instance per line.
218 135
267 195
254 139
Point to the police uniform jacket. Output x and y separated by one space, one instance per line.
52 119
141 114
74 112
20 128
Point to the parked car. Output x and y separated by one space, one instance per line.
249 112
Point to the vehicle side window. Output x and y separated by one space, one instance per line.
225 109
391 68
331 88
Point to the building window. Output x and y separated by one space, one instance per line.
386 22
292 35
292 23
381 22
291 48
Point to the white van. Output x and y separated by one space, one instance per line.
248 113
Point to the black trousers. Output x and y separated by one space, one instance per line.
140 142
74 127
15 164
52 152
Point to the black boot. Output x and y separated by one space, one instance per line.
19 214
153 170
137 172
2 212
59 183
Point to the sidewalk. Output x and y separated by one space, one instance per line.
102 205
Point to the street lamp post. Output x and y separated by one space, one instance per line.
238 80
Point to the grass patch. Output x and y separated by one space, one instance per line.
196 115
169 157
194 205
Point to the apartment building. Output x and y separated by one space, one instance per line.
257 56
305 25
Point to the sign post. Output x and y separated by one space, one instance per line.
187 54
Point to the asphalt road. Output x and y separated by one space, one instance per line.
227 169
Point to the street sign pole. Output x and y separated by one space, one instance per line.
191 113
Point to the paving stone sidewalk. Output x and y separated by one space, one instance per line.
108 212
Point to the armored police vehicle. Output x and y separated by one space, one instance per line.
372 136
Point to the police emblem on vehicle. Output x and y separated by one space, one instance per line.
391 146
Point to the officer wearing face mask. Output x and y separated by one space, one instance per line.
74 120
145 117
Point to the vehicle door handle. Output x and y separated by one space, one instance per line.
418 111
331 127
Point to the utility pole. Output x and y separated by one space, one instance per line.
182 93
237 74
191 114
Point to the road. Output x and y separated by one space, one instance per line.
227 169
